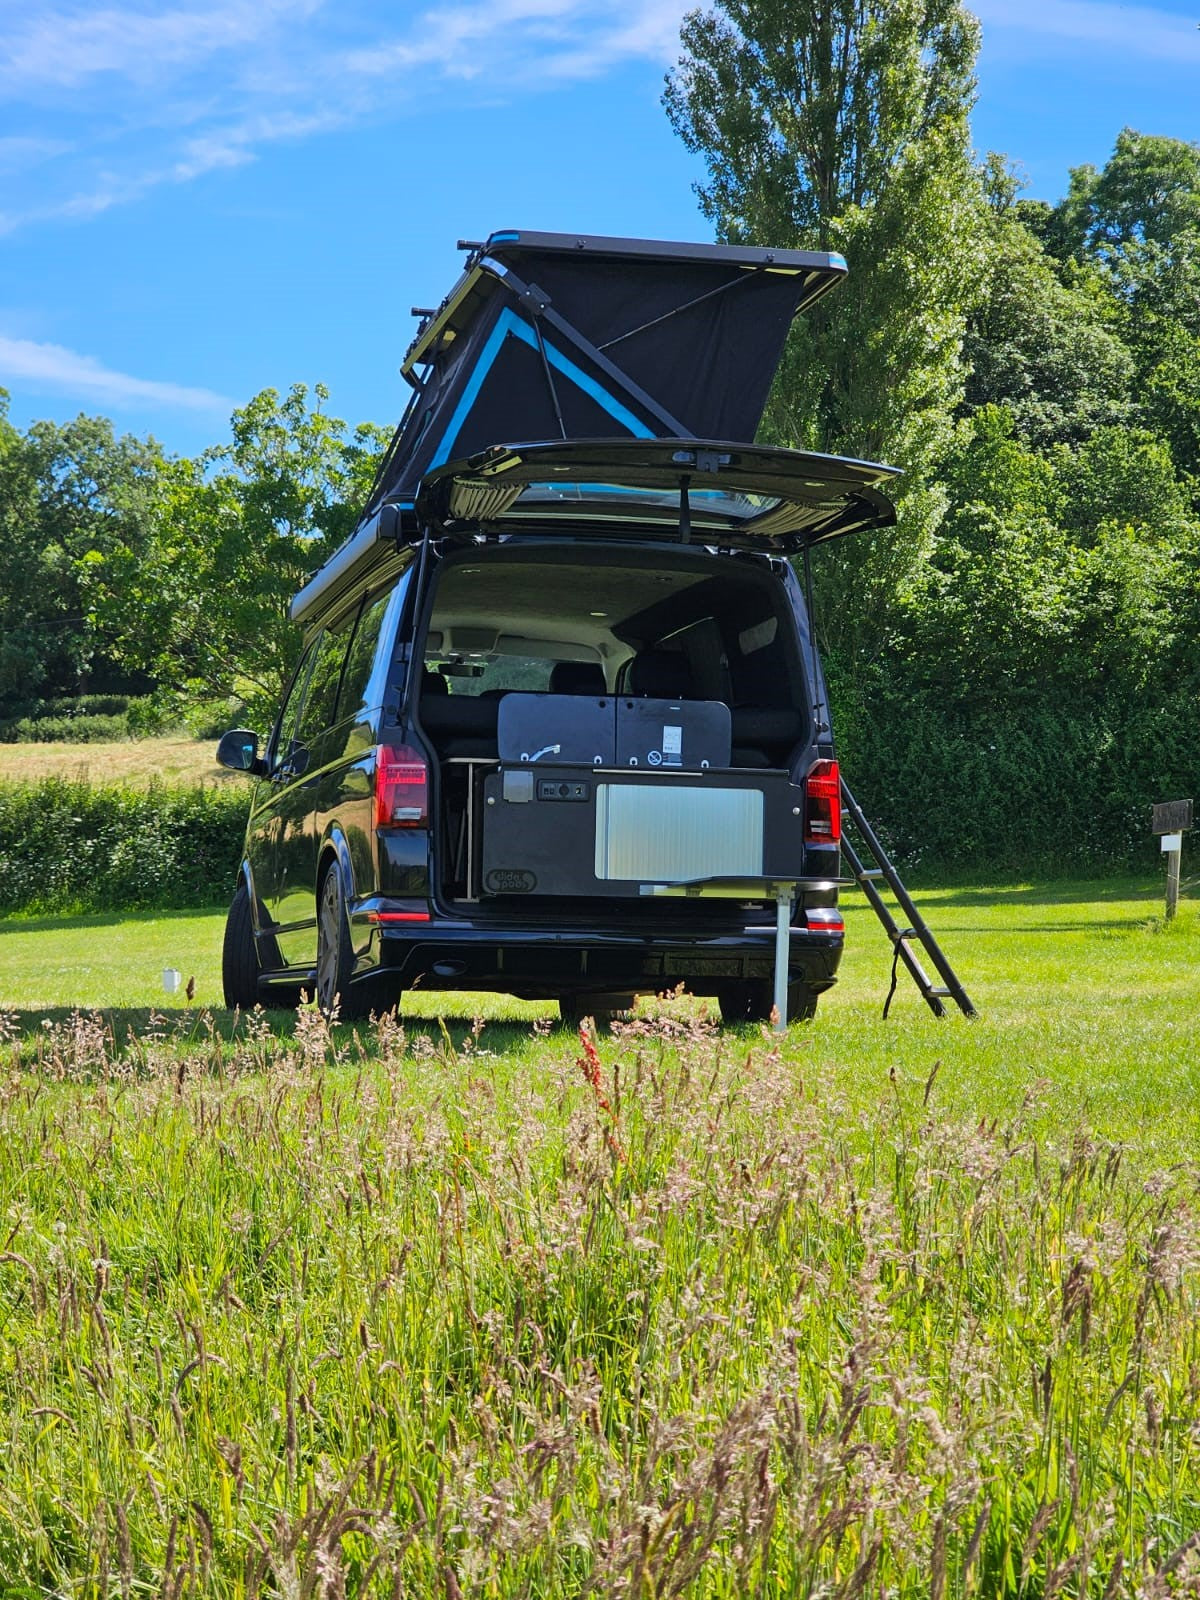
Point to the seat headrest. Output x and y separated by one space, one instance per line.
433 683
578 677
660 675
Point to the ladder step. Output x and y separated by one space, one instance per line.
903 939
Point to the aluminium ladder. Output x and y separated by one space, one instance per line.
902 938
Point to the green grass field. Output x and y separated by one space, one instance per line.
134 761
887 1308
1078 984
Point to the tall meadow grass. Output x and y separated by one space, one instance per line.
655 1314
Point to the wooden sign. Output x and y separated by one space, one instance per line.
1172 816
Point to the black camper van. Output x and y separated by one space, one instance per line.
559 726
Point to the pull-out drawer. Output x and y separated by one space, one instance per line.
596 832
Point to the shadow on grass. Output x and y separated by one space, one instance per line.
1007 930
59 922
1076 891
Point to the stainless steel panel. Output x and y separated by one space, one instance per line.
676 832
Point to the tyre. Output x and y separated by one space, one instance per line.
753 1000
335 952
602 1008
239 959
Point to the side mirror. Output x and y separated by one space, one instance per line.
238 750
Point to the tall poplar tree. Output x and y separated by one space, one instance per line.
843 125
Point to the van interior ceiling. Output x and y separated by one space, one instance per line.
567 622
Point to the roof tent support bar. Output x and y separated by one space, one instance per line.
411 677
585 347
389 455
685 511
709 294
550 384
819 708
430 329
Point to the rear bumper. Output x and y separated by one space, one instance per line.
543 963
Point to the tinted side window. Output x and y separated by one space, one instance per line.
361 657
283 742
388 673
329 655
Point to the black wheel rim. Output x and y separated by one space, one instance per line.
329 937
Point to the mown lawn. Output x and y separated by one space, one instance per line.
903 1308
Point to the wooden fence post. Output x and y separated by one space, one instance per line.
1170 821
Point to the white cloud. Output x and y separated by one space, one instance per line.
1122 30
18 152
52 366
526 41
206 86
222 148
66 47
234 145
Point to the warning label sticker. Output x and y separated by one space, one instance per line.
672 745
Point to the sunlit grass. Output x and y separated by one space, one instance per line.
136 761
890 1308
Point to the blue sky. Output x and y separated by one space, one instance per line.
203 199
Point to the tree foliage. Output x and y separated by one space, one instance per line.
65 490
202 603
1043 342
842 125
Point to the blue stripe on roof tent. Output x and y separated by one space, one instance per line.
509 322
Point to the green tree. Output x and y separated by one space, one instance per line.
991 610
204 606
1124 476
1138 222
64 490
1148 192
842 125
1043 342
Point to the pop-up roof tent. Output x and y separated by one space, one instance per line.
551 337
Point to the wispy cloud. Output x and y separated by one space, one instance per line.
208 85
1117 30
18 153
524 41
66 46
52 366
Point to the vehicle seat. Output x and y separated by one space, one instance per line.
578 677
763 736
458 724
659 675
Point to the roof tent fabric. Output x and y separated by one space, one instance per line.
548 336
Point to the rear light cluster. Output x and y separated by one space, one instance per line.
824 919
401 787
823 804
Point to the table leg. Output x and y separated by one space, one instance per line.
783 934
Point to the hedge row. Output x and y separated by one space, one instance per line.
103 718
99 729
1043 788
70 846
